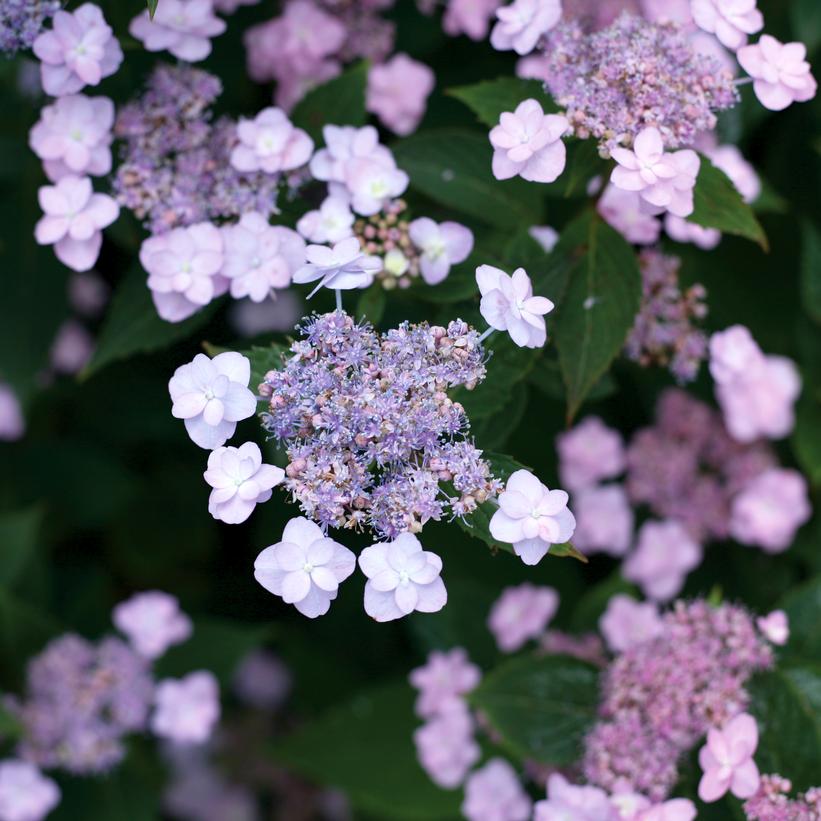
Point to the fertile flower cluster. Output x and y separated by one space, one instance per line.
632 75
664 333
661 696
772 803
373 438
21 21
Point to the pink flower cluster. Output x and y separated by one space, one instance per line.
771 802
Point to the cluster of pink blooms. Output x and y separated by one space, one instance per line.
309 42
772 803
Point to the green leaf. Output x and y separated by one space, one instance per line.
371 304
494 431
24 629
540 706
18 541
789 724
811 270
719 205
805 16
598 310
340 101
547 377
365 748
803 607
490 98
806 438
583 164
452 167
133 326
152 7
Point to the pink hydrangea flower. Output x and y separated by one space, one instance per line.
727 760
212 395
182 27
775 627
668 11
445 745
331 223
270 143
589 453
240 482
528 143
546 236
344 145
25 793
74 217
72 348
184 269
440 246
402 577
73 136
780 71
664 180
259 257
508 305
444 677
663 557
731 161
12 423
770 509
531 517
677 809
186 710
681 230
230 6
494 793
622 211
566 800
342 267
305 569
398 91
469 17
80 50
733 352
262 680
521 25
627 622
372 184
604 520
153 622
730 20
520 614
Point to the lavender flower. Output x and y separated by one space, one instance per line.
632 75
372 437
22 20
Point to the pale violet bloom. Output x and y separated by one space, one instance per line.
727 760
445 745
153 622
80 50
270 143
73 136
444 677
622 211
305 569
342 267
259 257
212 395
440 246
664 180
733 353
567 801
372 184
495 793
604 520
780 71
731 161
589 453
508 305
681 230
521 613
531 517
730 20
332 222
676 809
186 710
775 627
182 27
344 144
240 482
397 92
12 422
627 622
402 577
546 236
521 25
25 793
528 143
74 217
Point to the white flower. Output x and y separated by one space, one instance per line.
402 577
531 517
240 482
508 305
331 223
372 183
305 568
152 621
186 709
441 246
25 793
342 267
212 395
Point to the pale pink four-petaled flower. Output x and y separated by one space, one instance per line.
306 568
775 627
780 71
74 217
664 180
80 50
729 20
508 305
182 27
521 25
604 519
271 143
25 793
402 577
212 395
444 677
495 793
531 517
440 245
727 760
445 745
240 482
331 222
186 710
528 143
589 453
342 267
397 92
627 622
521 613
153 622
